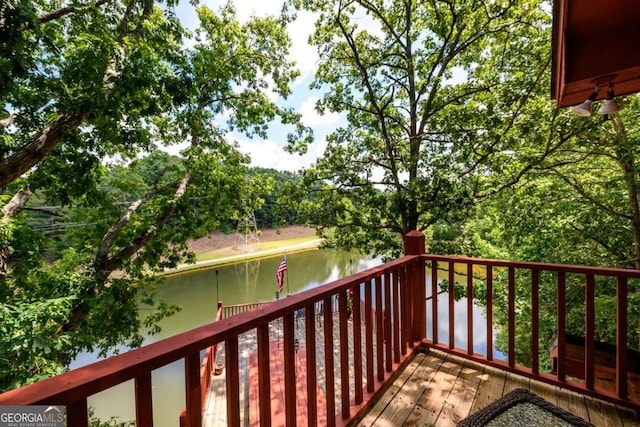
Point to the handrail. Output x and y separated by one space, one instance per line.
589 276
73 388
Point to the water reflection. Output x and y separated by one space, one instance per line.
460 315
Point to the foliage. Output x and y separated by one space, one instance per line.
578 206
275 190
437 96
111 422
88 93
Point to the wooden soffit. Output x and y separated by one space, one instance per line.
594 42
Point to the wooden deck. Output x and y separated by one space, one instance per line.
440 390
434 389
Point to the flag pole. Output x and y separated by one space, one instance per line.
287 276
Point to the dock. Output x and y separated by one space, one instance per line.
215 409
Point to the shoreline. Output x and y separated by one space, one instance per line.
243 256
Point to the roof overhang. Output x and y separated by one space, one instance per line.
594 42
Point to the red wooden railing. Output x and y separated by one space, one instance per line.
395 305
396 287
529 275
206 370
233 309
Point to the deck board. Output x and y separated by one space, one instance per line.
436 393
453 388
513 381
433 389
571 401
549 393
490 388
461 397
420 382
602 414
383 402
408 397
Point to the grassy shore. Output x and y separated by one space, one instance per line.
230 255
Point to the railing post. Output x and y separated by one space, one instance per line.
193 390
77 414
414 245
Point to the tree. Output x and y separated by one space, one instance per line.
437 94
579 206
277 189
112 79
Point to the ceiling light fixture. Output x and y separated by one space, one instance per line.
610 105
584 109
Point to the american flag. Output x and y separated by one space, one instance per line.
280 274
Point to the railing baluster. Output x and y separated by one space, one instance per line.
368 336
290 394
77 415
396 316
434 301
193 391
562 287
144 406
489 312
452 323
344 355
512 317
419 297
357 344
535 327
470 308
589 321
387 322
621 337
328 362
232 381
312 377
380 330
405 308
264 376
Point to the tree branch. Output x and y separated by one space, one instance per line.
607 247
581 191
38 147
70 9
42 143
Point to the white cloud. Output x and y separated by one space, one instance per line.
270 154
305 56
310 116
266 153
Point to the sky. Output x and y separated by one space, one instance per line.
269 153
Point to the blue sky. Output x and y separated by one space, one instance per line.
269 153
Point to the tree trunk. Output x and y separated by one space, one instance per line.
626 160
10 210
